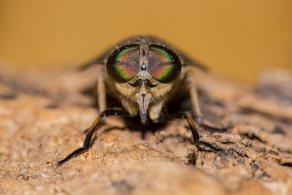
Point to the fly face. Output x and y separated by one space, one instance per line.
143 76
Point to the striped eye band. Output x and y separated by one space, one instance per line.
163 64
123 64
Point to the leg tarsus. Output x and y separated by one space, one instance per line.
90 131
73 154
85 131
213 147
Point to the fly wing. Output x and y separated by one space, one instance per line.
186 60
99 60
102 58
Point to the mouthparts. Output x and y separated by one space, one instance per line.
143 101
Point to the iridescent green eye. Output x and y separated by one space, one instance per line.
163 64
123 64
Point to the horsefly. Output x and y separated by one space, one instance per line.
145 74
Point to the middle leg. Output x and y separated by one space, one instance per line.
199 117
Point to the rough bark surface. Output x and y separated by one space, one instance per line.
43 114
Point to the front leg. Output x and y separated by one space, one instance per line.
91 130
192 124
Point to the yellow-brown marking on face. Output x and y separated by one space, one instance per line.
160 95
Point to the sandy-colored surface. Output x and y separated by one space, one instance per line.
252 157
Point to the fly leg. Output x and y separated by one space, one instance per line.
91 130
195 100
196 107
192 125
101 94
194 129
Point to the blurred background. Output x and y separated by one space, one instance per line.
233 38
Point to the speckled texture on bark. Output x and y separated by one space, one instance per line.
42 117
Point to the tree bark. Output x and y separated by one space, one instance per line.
42 115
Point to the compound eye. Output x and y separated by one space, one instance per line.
123 64
163 64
